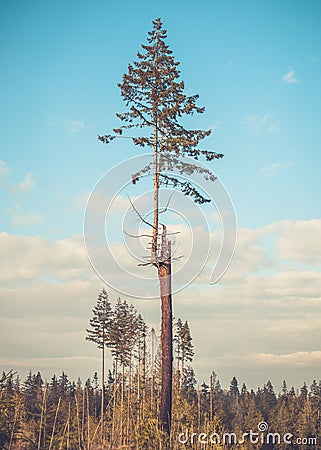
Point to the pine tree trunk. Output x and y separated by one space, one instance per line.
163 265
102 392
83 417
152 373
211 396
112 440
122 403
164 274
129 398
156 198
88 419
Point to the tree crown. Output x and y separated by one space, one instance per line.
155 98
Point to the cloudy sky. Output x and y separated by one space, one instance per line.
257 68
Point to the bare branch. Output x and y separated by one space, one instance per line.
168 202
138 236
138 213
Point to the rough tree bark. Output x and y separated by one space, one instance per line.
164 275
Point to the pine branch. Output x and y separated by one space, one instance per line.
186 187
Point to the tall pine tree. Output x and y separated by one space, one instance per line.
184 344
99 333
155 99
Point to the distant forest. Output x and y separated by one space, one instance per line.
63 414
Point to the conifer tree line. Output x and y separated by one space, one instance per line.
62 414
122 412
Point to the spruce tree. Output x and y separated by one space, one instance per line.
99 333
177 340
33 394
184 345
123 331
123 336
155 99
187 352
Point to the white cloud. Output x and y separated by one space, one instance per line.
16 188
4 169
290 78
23 219
25 185
300 241
32 258
263 315
75 126
100 202
80 202
293 359
258 124
275 167
56 365
269 360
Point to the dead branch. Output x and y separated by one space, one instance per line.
138 236
139 215
166 207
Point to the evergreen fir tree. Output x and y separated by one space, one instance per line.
183 344
123 331
33 393
177 340
99 333
234 390
188 384
186 343
303 394
266 400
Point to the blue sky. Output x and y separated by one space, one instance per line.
61 64
257 68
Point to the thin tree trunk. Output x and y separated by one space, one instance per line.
83 415
114 405
152 371
144 377
122 402
88 429
198 410
129 399
211 397
156 187
45 424
42 415
138 373
178 368
68 428
54 424
78 422
14 423
102 391
183 357
63 435
164 274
